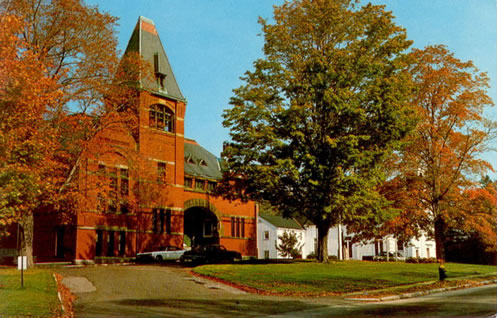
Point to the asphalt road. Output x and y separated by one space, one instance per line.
170 291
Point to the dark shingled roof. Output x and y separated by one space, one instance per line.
146 41
200 163
280 221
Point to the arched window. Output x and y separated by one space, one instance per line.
161 117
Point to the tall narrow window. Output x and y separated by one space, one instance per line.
161 216
113 179
159 74
161 172
122 243
161 117
59 242
238 227
168 221
124 175
110 243
98 243
154 220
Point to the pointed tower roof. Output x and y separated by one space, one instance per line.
145 40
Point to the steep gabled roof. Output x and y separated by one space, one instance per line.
145 40
199 162
280 221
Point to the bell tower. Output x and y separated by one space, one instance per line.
162 110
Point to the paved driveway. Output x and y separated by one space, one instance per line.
165 291
170 291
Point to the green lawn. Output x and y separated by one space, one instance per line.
339 277
38 298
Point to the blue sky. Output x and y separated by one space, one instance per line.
211 43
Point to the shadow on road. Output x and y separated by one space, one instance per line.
175 307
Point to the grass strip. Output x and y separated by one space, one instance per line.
38 298
316 279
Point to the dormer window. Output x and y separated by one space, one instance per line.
160 75
161 117
190 160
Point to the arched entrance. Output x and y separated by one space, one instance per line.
201 227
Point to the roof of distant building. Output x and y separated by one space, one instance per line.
280 221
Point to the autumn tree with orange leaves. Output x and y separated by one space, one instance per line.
62 86
27 97
435 176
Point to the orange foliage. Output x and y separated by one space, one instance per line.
443 156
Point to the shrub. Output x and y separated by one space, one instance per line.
312 255
289 245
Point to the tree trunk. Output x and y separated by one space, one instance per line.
440 227
323 243
26 238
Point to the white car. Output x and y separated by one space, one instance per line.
165 253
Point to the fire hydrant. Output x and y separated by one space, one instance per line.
442 272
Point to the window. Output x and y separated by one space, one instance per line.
188 183
266 235
101 169
266 254
378 247
124 182
155 220
400 245
237 227
417 253
161 172
168 221
211 186
110 243
115 199
98 243
161 117
162 219
123 207
159 74
199 184
122 243
428 252
101 203
113 179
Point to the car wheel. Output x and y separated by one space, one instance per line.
159 258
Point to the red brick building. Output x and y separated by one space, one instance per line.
174 206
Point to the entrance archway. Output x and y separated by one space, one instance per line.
201 226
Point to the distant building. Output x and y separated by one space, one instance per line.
339 241
270 228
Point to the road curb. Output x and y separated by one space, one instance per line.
421 293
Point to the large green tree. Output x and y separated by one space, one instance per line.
315 118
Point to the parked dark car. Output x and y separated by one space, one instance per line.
210 254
